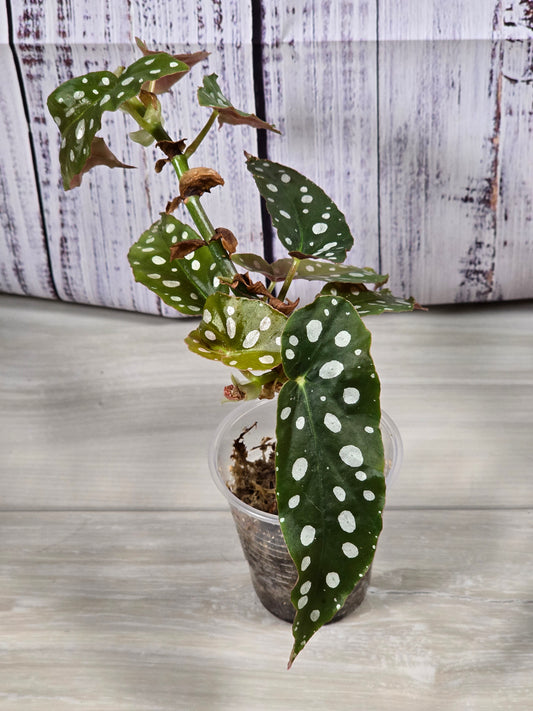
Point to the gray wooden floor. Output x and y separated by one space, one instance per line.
122 584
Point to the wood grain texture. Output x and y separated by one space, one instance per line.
456 209
24 267
102 409
91 229
134 611
319 67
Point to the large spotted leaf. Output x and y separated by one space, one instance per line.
77 105
310 269
239 332
306 219
370 302
329 458
182 283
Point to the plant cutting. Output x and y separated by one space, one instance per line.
313 361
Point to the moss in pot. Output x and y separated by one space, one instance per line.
314 360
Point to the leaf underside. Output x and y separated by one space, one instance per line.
369 303
184 283
309 269
329 458
239 332
306 219
211 96
78 104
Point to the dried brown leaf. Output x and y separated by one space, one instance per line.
172 148
100 154
198 181
149 99
180 250
228 114
173 204
227 238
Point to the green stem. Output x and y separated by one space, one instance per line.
202 222
288 279
203 133
193 204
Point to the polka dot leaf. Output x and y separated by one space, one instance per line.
239 332
329 458
369 303
306 219
184 283
210 94
77 105
310 269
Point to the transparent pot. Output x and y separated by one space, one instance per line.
272 569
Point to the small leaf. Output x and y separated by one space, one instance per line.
99 154
370 302
306 219
211 95
239 332
182 283
309 269
329 458
167 82
143 137
78 104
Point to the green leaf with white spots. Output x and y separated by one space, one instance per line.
329 458
184 283
77 105
239 332
306 219
370 302
210 95
309 269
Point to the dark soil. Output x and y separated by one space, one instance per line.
254 480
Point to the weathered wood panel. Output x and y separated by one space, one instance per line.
90 229
513 275
319 66
455 178
24 267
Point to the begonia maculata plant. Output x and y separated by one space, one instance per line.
315 359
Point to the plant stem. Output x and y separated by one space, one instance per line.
288 279
181 166
203 133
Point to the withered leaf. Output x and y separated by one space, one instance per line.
198 181
164 84
172 148
259 289
100 155
234 117
173 204
227 238
148 98
180 250
284 307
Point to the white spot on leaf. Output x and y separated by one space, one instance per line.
332 422
299 468
346 521
331 369
351 455
307 536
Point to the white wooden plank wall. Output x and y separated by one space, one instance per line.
24 265
416 117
